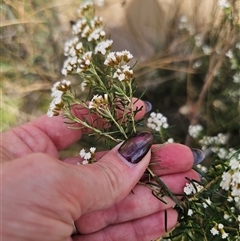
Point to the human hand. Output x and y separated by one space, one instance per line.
41 196
140 215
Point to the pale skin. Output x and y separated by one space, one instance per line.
41 195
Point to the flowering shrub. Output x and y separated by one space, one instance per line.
210 209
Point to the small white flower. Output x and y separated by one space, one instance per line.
197 64
84 162
236 78
207 203
98 101
87 156
58 89
126 55
198 40
69 65
237 198
123 74
165 125
235 178
85 62
111 59
229 54
96 22
83 85
226 180
92 149
153 114
234 164
224 235
97 34
226 216
220 226
214 231
190 212
192 189
206 49
103 47
82 153
86 31
78 26
202 168
115 58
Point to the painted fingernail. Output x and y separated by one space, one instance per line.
136 147
148 106
198 155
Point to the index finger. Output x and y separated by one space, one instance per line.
173 158
62 137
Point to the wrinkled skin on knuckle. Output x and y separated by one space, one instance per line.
114 179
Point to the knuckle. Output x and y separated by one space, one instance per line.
113 177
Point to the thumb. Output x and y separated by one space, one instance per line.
108 181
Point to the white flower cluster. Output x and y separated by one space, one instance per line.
89 55
103 47
191 188
195 130
231 179
73 47
215 144
98 101
88 157
220 139
58 89
156 121
80 58
219 227
115 59
124 73
91 31
84 62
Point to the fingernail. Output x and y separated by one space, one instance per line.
136 147
198 155
148 106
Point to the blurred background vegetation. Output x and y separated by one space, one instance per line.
188 55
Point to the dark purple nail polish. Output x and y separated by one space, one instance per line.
198 155
136 147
